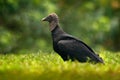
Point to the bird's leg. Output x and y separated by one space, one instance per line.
64 57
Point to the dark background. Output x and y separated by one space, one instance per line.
96 22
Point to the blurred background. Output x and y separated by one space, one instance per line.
96 22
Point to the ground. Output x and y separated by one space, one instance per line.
49 66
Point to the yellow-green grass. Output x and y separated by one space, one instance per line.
50 66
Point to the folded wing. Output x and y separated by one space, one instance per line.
78 50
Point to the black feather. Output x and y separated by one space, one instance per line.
69 47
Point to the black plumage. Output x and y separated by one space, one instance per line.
67 46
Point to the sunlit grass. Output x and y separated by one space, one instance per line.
49 66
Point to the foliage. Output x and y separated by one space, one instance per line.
94 21
44 66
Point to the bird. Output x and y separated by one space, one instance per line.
68 46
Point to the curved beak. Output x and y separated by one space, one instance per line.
44 19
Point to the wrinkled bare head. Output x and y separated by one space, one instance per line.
51 17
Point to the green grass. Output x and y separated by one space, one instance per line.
49 66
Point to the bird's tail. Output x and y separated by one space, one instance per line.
97 59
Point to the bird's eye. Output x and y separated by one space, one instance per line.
50 17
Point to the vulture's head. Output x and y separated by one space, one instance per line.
51 17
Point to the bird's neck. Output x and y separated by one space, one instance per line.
57 32
52 25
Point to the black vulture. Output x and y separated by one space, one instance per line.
67 46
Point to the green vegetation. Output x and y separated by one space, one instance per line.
94 21
49 66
